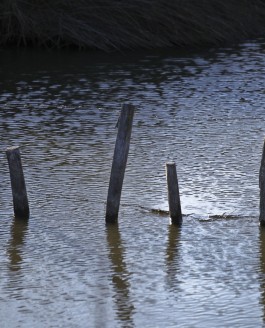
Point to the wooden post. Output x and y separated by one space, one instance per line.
262 188
119 162
173 194
20 199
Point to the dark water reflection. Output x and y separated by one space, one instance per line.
120 277
172 256
18 234
262 270
64 267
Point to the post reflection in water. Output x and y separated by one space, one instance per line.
172 256
18 231
120 276
262 270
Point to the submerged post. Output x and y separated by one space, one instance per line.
173 194
18 186
262 188
119 162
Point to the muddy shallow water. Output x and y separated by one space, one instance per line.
64 267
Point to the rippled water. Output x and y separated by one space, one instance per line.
64 267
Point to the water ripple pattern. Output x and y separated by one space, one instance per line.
65 268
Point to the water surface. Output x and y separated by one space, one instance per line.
64 267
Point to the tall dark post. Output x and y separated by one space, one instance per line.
119 162
262 188
173 194
20 199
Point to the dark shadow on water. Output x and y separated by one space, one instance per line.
172 256
120 277
18 232
262 270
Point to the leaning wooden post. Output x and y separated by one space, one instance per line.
119 162
173 194
18 186
262 188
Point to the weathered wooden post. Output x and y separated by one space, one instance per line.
119 162
173 194
262 188
18 186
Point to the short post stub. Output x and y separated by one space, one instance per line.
18 186
119 162
173 194
262 188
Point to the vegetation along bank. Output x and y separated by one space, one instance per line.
129 24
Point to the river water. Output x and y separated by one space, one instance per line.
65 267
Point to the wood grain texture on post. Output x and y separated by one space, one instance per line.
18 186
119 162
262 188
173 194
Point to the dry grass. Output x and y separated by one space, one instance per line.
119 24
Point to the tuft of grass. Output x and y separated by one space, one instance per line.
123 24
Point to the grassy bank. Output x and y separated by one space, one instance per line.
121 24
